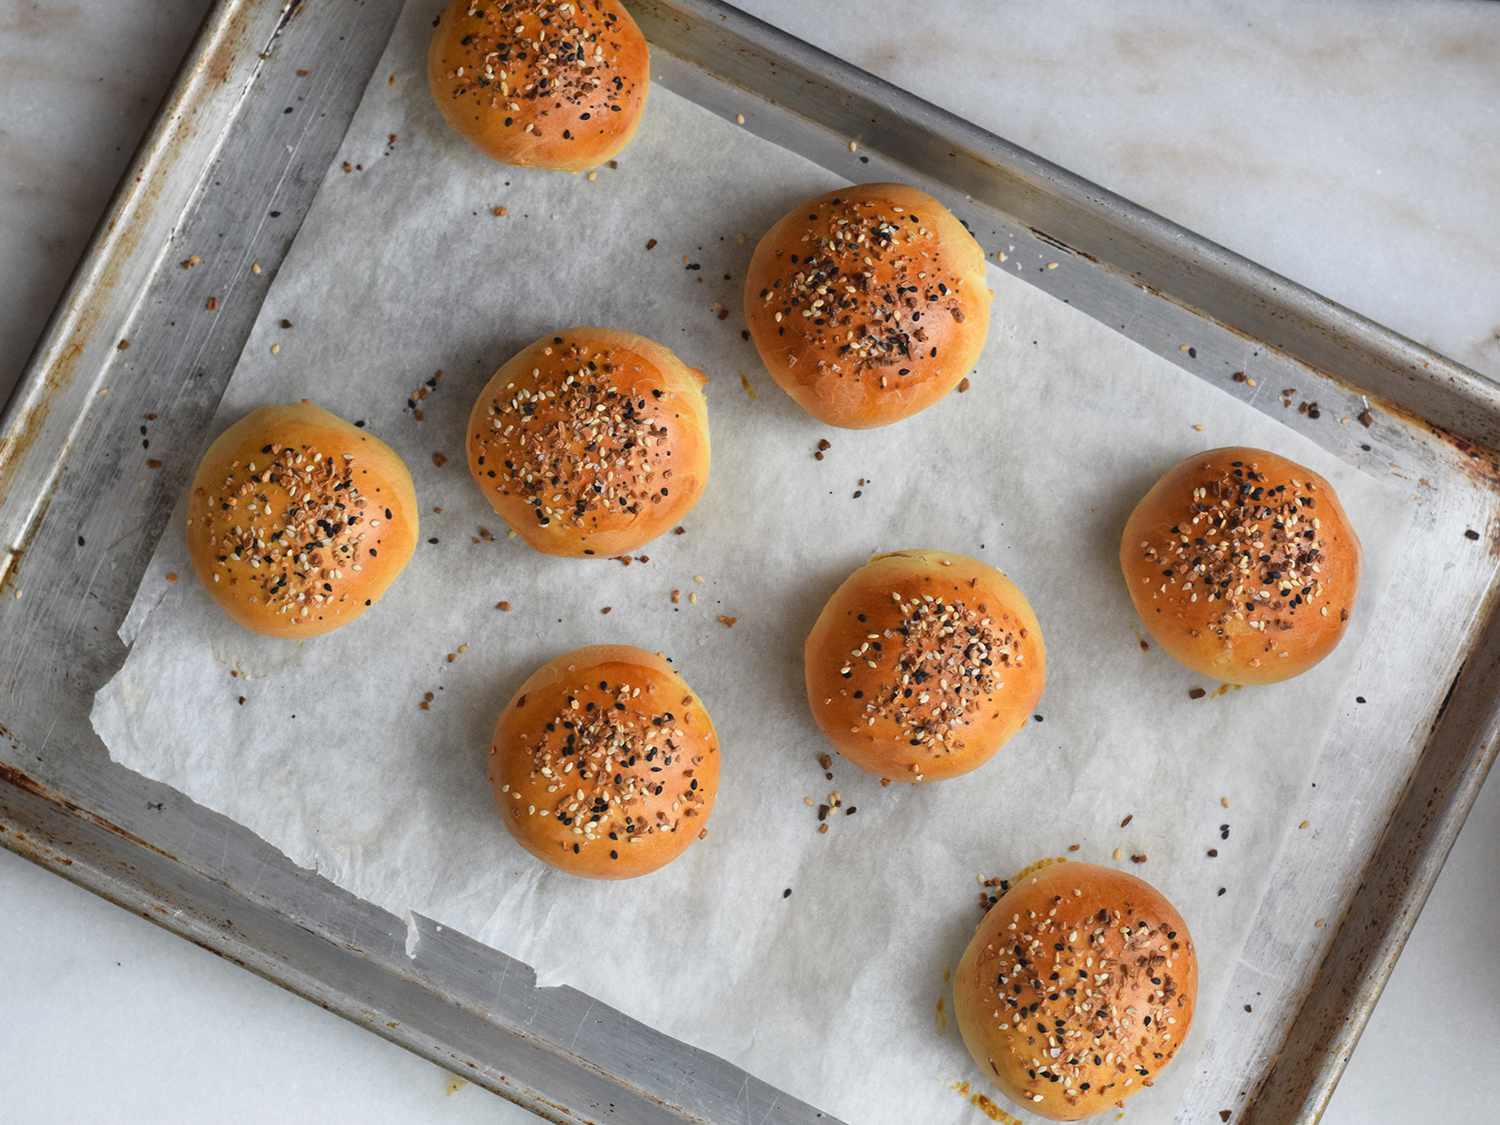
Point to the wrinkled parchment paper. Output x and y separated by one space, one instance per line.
403 268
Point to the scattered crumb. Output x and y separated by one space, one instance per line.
1302 825
650 244
503 606
676 597
679 530
1365 418
439 459
1115 854
1196 693
123 345
211 304
275 349
1128 818
1224 802
255 268
692 597
606 609
1138 857
1238 377
853 146
964 385
592 176
747 387
499 212
190 261
1471 534
171 576
1074 847
420 394
739 118
727 621
152 463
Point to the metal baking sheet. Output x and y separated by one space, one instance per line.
225 165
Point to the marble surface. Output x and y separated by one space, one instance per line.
1350 145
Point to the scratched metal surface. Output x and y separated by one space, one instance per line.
226 166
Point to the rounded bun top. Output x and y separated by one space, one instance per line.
605 764
591 442
923 664
558 85
1242 564
868 304
1077 989
298 521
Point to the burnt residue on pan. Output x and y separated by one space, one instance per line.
1059 244
10 775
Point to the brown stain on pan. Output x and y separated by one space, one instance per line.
1059 244
1478 462
25 429
10 775
219 65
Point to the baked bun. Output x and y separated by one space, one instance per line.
1076 990
550 85
605 764
868 304
923 664
298 521
591 442
1242 564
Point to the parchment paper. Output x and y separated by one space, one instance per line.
402 269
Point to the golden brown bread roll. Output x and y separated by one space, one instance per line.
1076 990
591 442
605 764
923 664
868 304
552 85
1242 565
298 521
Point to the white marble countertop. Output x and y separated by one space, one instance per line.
1351 145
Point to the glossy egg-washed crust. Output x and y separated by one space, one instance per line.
605 764
558 85
923 664
1076 990
591 442
298 521
1242 565
868 304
